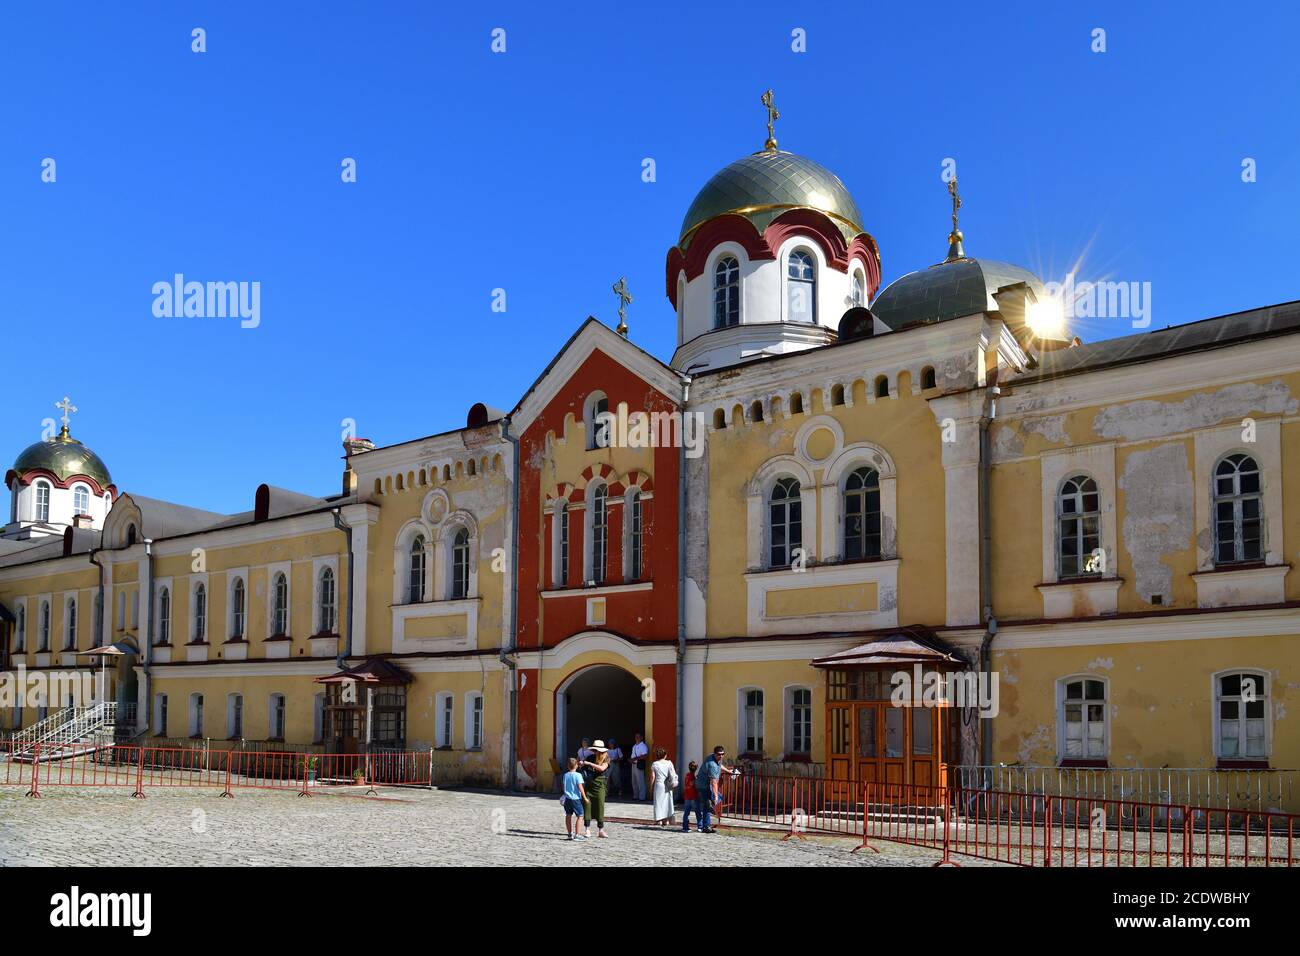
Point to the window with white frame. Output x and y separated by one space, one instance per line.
196 715
1238 511
234 716
784 523
598 540
20 641
596 420
160 715
200 629
862 514
70 625
799 720
275 717
1082 718
1241 715
751 721
1078 528
280 606
164 616
726 292
417 557
42 500
80 500
801 287
238 605
44 634
474 722
460 564
326 602
634 548
446 715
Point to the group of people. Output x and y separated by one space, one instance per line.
588 778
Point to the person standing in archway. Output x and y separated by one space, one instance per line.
595 805
663 777
639 753
614 777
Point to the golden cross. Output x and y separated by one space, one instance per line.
956 201
772 116
956 249
67 407
624 297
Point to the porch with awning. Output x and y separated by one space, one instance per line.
365 707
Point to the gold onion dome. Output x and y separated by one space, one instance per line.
64 457
766 184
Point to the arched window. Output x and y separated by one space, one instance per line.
280 606
862 514
130 535
42 501
237 609
1238 511
785 523
596 419
752 721
859 293
460 564
1082 718
327 612
635 537
1241 715
599 532
44 644
415 571
164 616
200 613
561 544
275 717
801 287
70 629
474 722
234 716
20 643
196 715
882 387
927 377
81 500
726 293
799 721
1078 528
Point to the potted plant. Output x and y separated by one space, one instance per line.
312 763
358 777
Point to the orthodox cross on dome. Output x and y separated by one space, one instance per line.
67 407
955 249
624 297
772 116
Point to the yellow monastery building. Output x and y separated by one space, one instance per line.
828 484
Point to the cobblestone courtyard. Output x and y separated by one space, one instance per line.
70 827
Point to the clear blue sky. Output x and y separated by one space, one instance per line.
523 171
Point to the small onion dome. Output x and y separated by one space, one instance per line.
63 457
765 184
949 290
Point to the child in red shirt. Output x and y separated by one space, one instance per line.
691 797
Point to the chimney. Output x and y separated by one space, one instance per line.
353 446
83 521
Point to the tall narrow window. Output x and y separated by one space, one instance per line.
1241 711
785 523
1083 717
160 729
164 616
562 559
42 501
800 720
235 715
597 421
70 631
81 500
327 612
859 293
280 606
237 610
20 643
862 515
200 613
275 723
753 718
1238 503
415 572
445 713
1078 528
726 293
196 715
801 287
475 741
599 533
635 538
460 564
44 644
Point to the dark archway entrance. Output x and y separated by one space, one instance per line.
603 701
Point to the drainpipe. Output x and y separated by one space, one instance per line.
506 658
148 637
986 578
346 528
681 581
94 559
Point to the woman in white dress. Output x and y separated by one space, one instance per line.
663 781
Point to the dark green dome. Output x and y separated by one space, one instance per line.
64 457
947 291
765 184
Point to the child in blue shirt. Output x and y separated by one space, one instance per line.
575 797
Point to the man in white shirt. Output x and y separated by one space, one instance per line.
584 749
639 754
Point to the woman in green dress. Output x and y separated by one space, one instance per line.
597 772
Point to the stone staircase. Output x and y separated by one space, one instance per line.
71 732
